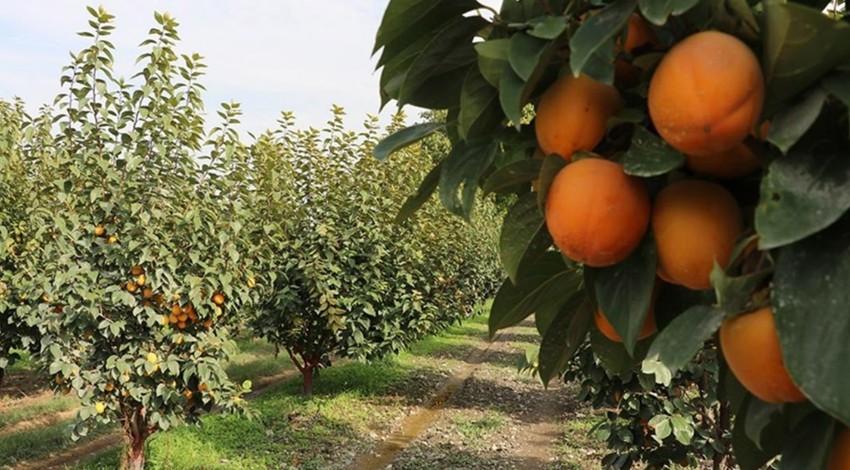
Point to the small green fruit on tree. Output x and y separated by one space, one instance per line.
731 116
139 228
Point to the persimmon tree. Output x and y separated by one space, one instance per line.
346 281
139 256
729 117
17 190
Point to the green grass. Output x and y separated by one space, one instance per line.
349 402
38 442
53 405
576 441
473 430
255 358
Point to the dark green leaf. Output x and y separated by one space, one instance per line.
748 455
526 54
810 299
788 126
564 336
761 415
406 20
548 27
523 235
415 201
679 342
809 444
463 167
624 291
480 112
838 85
657 11
512 174
552 165
511 95
548 282
493 56
595 37
735 293
804 192
648 155
613 356
800 45
440 66
405 137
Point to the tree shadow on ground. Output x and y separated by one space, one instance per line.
445 456
521 403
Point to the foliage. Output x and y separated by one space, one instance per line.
346 281
682 423
16 196
137 255
485 66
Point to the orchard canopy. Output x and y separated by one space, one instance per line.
680 178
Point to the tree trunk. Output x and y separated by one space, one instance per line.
137 454
307 373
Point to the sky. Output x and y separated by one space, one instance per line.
269 55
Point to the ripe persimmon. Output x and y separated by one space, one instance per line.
695 223
751 347
218 299
595 212
730 164
572 115
706 94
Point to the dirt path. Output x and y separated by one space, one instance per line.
486 416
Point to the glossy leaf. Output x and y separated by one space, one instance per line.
434 79
406 20
657 11
788 126
403 138
552 165
512 95
648 155
523 235
461 171
801 44
812 276
526 53
480 112
548 282
679 342
596 36
493 56
548 27
803 192
417 200
747 454
564 335
624 291
513 174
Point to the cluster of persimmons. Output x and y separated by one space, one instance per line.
705 99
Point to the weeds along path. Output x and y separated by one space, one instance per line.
485 416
